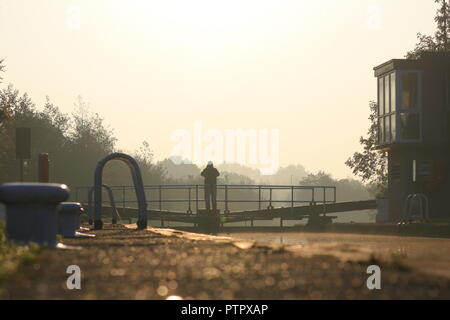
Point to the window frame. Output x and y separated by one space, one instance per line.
395 107
389 109
417 110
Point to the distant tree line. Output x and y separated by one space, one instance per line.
75 143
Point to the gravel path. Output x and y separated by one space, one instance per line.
121 263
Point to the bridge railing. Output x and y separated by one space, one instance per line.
190 198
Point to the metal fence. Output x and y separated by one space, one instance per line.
263 196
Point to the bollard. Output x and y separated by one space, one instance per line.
69 218
43 171
31 211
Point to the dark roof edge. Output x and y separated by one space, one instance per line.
397 61
397 64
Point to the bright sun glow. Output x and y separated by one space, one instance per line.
195 22
301 66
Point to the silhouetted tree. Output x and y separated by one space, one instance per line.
74 144
151 173
284 175
4 110
440 41
89 140
319 179
2 69
21 110
9 98
48 135
347 189
442 21
371 164
291 174
181 171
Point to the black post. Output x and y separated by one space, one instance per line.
21 170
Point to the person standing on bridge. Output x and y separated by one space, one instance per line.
210 174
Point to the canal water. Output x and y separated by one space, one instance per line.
431 255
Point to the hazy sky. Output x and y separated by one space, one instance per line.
152 68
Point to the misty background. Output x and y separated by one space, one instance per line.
150 67
95 77
77 141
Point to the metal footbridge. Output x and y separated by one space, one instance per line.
237 203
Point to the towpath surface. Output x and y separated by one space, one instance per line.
123 263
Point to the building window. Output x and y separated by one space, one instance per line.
393 93
380 96
399 107
393 127
409 90
380 130
410 126
387 94
386 108
409 115
387 129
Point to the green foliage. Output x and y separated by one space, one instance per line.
442 21
152 173
75 143
2 69
426 43
234 178
13 255
10 102
347 189
88 140
371 164
4 110
440 41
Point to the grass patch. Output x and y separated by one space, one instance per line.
13 255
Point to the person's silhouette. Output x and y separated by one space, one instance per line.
210 174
